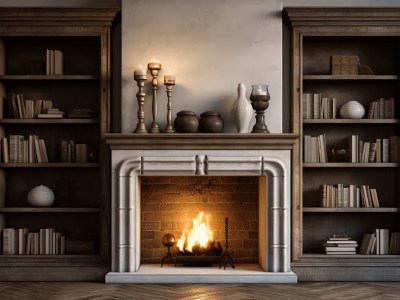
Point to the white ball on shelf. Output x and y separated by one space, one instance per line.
40 196
352 110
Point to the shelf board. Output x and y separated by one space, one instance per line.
49 77
350 165
351 209
49 121
44 257
327 256
49 165
349 77
49 209
350 121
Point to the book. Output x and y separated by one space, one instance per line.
394 246
307 105
340 249
316 105
365 243
43 151
340 253
81 153
50 116
4 144
394 146
38 152
372 152
383 241
385 150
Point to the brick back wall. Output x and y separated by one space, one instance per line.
169 203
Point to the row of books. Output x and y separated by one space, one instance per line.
72 152
381 109
348 196
315 149
339 245
45 242
380 242
28 108
17 149
54 62
381 150
317 107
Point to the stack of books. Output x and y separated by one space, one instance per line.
52 113
81 113
339 245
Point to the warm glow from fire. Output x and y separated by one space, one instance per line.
200 234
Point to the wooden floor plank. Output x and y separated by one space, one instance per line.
300 291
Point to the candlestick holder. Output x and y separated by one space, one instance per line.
154 67
259 98
140 127
169 83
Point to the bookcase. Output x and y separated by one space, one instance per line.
80 211
317 37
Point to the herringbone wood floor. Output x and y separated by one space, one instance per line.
303 290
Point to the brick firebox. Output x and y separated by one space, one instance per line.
169 203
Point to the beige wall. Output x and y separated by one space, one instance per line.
210 46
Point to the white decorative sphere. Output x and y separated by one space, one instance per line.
40 196
352 110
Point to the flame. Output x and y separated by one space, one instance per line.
200 234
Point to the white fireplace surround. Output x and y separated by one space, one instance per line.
274 212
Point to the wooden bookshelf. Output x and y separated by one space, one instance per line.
316 35
81 208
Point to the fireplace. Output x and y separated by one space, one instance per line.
194 208
133 169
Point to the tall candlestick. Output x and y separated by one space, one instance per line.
169 81
154 66
140 78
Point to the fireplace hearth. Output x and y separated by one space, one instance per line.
271 168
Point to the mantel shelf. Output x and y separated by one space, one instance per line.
220 141
351 209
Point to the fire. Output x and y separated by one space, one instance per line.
200 234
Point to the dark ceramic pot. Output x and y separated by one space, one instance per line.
186 122
211 122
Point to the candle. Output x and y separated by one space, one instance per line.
154 64
169 79
140 73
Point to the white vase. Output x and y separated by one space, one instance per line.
40 196
242 110
352 110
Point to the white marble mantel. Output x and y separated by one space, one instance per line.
127 165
